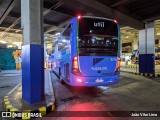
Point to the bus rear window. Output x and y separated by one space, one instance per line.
97 26
97 37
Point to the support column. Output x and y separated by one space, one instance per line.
32 50
147 49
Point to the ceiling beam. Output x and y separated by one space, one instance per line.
6 25
5 8
60 26
54 28
20 32
10 27
49 8
47 22
50 23
153 17
122 2
103 10
143 6
128 13
119 3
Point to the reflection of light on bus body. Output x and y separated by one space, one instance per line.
54 64
57 33
64 40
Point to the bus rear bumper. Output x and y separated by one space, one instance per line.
94 81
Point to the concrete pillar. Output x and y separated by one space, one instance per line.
32 50
147 49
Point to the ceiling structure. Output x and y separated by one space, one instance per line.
131 14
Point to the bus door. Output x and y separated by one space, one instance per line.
64 49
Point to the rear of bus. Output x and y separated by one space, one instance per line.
97 62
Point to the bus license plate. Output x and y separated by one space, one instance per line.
99 80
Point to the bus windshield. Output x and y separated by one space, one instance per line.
97 37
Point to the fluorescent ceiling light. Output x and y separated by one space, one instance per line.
9 46
3 42
17 43
158 34
58 33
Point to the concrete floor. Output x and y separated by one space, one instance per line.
133 93
8 80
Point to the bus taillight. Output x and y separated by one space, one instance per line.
118 62
79 17
79 80
115 21
75 66
75 63
118 66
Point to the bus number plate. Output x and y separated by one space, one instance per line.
99 80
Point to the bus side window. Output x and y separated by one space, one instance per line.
65 38
54 47
60 45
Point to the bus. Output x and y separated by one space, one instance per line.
87 52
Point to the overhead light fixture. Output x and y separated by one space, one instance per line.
158 34
17 43
49 46
10 46
58 33
3 42
17 31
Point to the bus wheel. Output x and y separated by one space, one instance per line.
60 77
61 80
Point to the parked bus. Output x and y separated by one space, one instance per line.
87 52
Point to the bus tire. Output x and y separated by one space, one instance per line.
59 72
60 77
61 80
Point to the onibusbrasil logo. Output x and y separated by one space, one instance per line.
19 115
